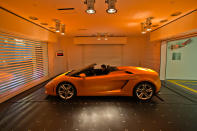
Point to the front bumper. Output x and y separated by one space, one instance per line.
49 89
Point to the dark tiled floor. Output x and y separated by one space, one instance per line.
35 111
185 93
192 84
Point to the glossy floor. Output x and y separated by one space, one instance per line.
35 111
185 88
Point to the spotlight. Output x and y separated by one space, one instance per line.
63 29
148 24
90 6
57 25
143 28
98 36
90 11
149 29
106 36
111 6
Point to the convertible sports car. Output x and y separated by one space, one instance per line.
139 82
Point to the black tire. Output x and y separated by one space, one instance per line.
66 91
144 91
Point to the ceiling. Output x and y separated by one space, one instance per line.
125 22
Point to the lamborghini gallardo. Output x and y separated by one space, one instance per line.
142 83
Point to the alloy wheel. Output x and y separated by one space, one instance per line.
144 91
66 91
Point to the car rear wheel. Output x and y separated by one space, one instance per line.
66 91
144 91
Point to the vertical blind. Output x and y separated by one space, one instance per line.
21 61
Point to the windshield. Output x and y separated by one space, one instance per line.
91 71
77 72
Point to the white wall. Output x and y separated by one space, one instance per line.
163 61
185 68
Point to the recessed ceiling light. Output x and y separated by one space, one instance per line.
143 28
82 29
148 24
106 36
155 25
98 36
33 18
151 17
43 23
162 21
52 28
57 25
176 14
63 29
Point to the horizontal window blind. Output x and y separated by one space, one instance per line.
21 61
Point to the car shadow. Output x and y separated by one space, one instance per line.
100 99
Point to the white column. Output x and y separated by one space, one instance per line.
163 60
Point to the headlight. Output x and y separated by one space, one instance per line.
145 69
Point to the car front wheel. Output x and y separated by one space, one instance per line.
66 91
144 91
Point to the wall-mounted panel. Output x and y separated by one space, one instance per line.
102 54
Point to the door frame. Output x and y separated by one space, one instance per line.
163 60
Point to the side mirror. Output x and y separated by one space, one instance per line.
82 75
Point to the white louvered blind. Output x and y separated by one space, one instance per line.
21 61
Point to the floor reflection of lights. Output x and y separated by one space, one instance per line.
99 115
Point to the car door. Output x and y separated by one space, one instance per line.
102 85
117 80
93 85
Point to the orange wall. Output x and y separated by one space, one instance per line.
151 55
15 25
132 52
182 26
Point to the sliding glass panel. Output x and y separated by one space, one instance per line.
21 62
182 59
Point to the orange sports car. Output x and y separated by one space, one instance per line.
139 82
